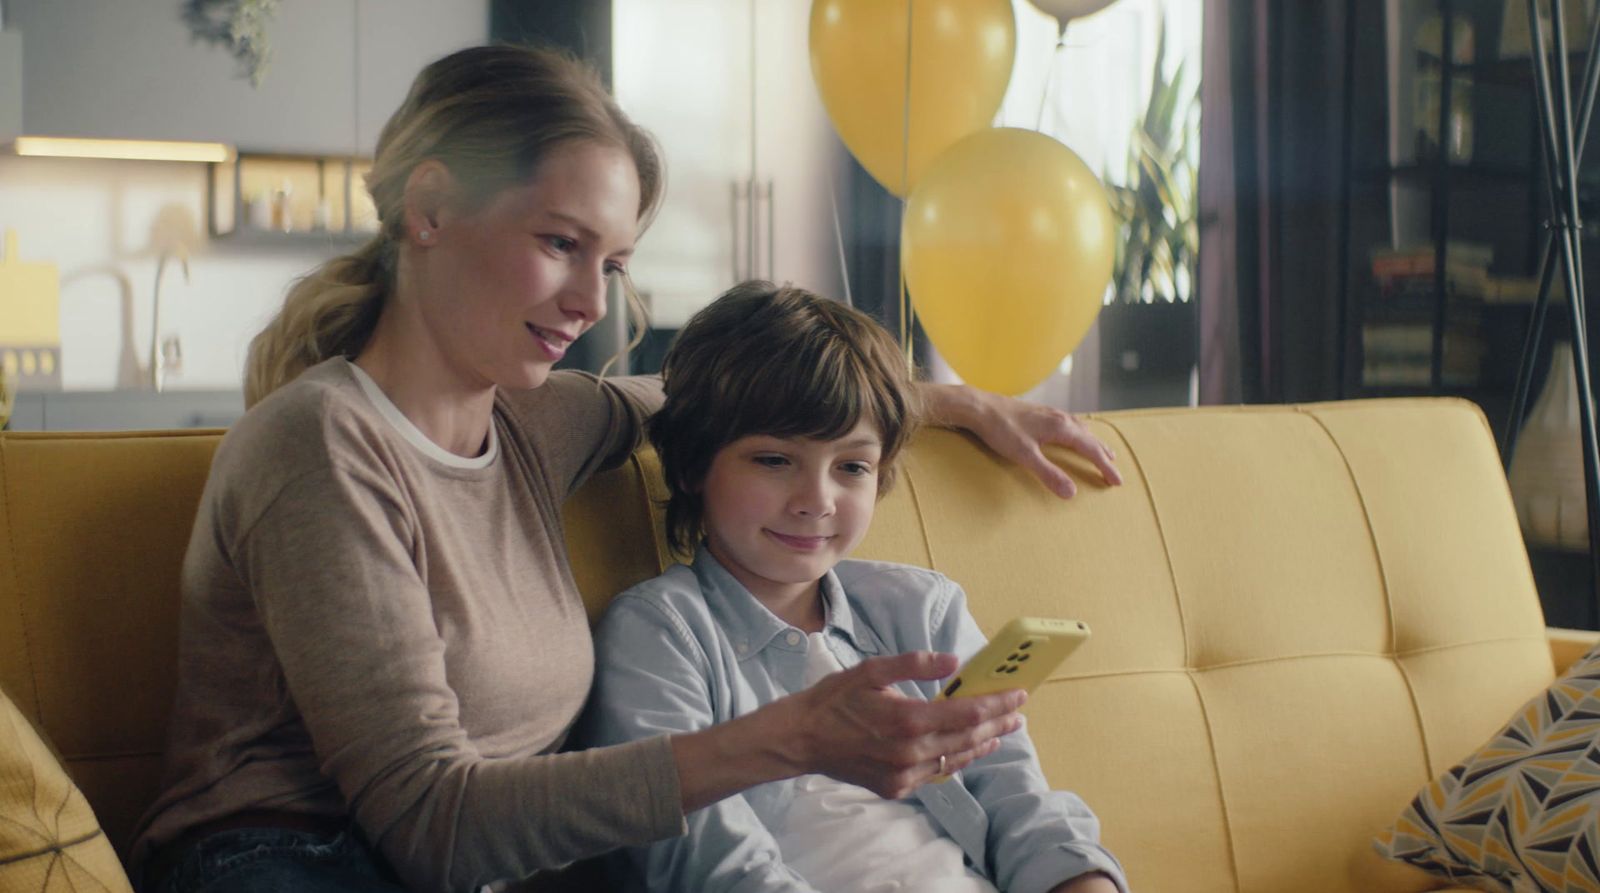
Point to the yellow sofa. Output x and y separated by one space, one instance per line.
1301 615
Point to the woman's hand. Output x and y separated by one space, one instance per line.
855 727
1018 430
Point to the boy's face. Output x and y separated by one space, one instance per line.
780 513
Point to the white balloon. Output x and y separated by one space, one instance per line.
1066 10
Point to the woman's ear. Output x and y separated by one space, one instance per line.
429 190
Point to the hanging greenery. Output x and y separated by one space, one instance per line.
1157 210
239 25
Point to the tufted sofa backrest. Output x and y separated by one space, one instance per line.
1300 615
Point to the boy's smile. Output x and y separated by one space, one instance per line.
781 512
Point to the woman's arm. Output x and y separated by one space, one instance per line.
1019 431
1016 429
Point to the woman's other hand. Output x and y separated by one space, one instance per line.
1019 430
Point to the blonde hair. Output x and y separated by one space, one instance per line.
490 115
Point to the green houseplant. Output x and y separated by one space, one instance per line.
1155 208
1147 328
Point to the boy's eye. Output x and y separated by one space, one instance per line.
856 468
771 461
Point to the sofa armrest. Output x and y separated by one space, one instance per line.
1567 645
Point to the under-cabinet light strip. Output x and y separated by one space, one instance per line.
129 150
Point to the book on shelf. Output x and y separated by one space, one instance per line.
1415 260
1402 271
1402 354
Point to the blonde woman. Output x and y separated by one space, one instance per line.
382 649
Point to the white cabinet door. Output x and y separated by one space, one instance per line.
798 156
132 70
725 86
682 71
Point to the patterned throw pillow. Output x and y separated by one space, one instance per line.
1522 814
49 839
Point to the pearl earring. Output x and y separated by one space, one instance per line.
424 235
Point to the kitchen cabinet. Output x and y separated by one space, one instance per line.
725 86
125 410
133 71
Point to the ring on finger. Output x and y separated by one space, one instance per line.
941 764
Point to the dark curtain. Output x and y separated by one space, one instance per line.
1271 184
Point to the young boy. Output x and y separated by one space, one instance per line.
784 416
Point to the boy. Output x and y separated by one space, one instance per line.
784 416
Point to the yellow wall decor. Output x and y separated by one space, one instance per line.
30 320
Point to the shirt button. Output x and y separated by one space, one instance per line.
793 638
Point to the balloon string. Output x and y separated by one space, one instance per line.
838 239
1050 78
906 321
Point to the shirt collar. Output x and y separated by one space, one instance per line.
751 626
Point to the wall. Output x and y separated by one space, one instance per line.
103 223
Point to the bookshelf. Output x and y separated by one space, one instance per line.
1443 222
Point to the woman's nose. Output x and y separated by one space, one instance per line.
587 297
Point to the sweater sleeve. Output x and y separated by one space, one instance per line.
1037 837
330 564
583 424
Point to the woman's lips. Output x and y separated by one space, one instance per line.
554 343
801 543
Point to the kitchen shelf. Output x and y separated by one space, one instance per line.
275 200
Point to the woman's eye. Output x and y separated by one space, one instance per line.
616 269
561 244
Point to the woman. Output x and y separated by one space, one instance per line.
381 646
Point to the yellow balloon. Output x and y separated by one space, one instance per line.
961 56
1007 246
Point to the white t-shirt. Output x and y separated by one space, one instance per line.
845 839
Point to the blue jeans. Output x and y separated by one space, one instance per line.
274 860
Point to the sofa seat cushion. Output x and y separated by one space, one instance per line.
49 839
1523 811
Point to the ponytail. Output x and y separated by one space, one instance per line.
330 312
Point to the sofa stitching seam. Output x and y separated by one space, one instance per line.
1311 655
1183 624
16 577
1161 531
922 522
1216 769
1388 594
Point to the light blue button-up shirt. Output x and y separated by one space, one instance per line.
692 648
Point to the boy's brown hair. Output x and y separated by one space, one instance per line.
778 361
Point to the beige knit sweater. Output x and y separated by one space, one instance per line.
373 627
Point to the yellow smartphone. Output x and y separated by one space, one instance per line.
1022 655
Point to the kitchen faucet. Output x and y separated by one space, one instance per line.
159 360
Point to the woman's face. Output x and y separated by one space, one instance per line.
509 286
